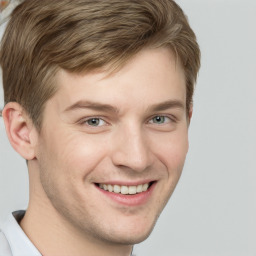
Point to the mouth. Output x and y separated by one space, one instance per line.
130 194
125 189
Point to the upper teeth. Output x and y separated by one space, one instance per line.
131 190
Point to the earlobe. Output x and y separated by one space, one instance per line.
19 129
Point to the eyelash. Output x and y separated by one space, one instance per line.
150 121
166 117
85 121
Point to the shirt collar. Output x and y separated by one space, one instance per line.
18 241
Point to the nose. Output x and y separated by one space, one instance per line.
131 149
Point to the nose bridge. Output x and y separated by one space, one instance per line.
132 149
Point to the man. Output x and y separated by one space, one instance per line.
98 100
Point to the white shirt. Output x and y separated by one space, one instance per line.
13 240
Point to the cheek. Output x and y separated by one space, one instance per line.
172 150
172 155
74 155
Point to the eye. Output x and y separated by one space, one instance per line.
160 120
96 122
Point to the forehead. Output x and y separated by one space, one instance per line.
151 75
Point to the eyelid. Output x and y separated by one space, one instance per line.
86 119
170 117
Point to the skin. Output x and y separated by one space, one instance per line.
67 213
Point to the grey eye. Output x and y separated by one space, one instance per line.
95 122
159 119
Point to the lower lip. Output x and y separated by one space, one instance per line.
129 200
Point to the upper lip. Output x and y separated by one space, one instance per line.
126 183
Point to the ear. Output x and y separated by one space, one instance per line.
20 130
190 113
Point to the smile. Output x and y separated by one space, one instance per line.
130 195
125 190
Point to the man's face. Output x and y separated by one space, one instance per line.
105 134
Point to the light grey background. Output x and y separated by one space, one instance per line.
213 210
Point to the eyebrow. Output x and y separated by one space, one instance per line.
91 105
169 104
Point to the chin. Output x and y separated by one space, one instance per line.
130 239
135 234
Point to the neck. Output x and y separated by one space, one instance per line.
52 234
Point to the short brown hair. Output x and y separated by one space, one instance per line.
83 35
